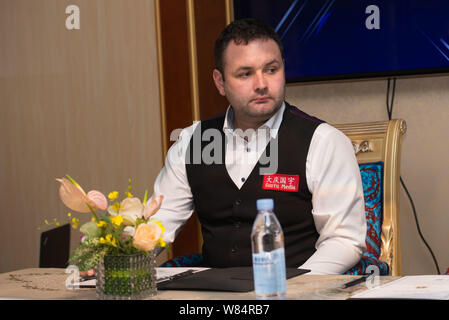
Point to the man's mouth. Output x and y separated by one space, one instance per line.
263 99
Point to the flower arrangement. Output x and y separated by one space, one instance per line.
127 228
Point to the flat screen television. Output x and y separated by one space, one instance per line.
348 39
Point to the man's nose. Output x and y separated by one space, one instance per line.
260 82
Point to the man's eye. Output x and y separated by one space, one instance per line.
271 70
244 75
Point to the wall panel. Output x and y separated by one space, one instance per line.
83 102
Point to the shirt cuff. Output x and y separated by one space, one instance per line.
333 257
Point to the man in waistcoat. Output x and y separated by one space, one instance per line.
263 147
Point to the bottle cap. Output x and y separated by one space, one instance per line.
265 204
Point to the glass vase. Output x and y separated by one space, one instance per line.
126 277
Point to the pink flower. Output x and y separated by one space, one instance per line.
98 198
153 207
147 236
74 197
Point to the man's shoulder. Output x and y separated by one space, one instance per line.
328 134
322 130
216 117
298 114
215 121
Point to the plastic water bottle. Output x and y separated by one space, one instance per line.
267 242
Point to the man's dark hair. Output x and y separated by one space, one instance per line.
242 32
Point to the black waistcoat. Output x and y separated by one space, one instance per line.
227 214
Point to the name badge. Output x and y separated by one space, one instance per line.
281 182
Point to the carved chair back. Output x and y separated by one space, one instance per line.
381 142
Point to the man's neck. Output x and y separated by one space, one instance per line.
245 125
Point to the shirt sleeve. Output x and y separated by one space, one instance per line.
177 204
333 178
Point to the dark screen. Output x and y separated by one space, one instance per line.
332 39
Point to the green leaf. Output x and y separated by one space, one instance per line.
140 221
106 218
93 212
72 180
145 197
90 229
88 254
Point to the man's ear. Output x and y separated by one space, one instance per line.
219 82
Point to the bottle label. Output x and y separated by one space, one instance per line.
269 272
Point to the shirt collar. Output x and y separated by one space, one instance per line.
273 124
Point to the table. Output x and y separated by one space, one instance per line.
49 283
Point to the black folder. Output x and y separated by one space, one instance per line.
55 247
237 279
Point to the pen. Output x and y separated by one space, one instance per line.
80 286
176 276
356 281
88 278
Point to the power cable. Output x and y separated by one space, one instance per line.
390 102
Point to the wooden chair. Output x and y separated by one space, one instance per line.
376 142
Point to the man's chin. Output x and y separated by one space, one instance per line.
263 110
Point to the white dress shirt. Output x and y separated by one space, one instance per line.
333 179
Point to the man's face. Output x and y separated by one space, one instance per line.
254 80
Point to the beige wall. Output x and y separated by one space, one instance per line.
424 104
83 102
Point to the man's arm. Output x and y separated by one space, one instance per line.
333 178
177 205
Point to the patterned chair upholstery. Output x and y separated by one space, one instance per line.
188 260
377 146
372 177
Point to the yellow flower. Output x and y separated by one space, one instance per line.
159 224
162 243
113 195
69 214
101 224
110 240
117 220
128 194
102 240
93 219
116 206
75 223
130 209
